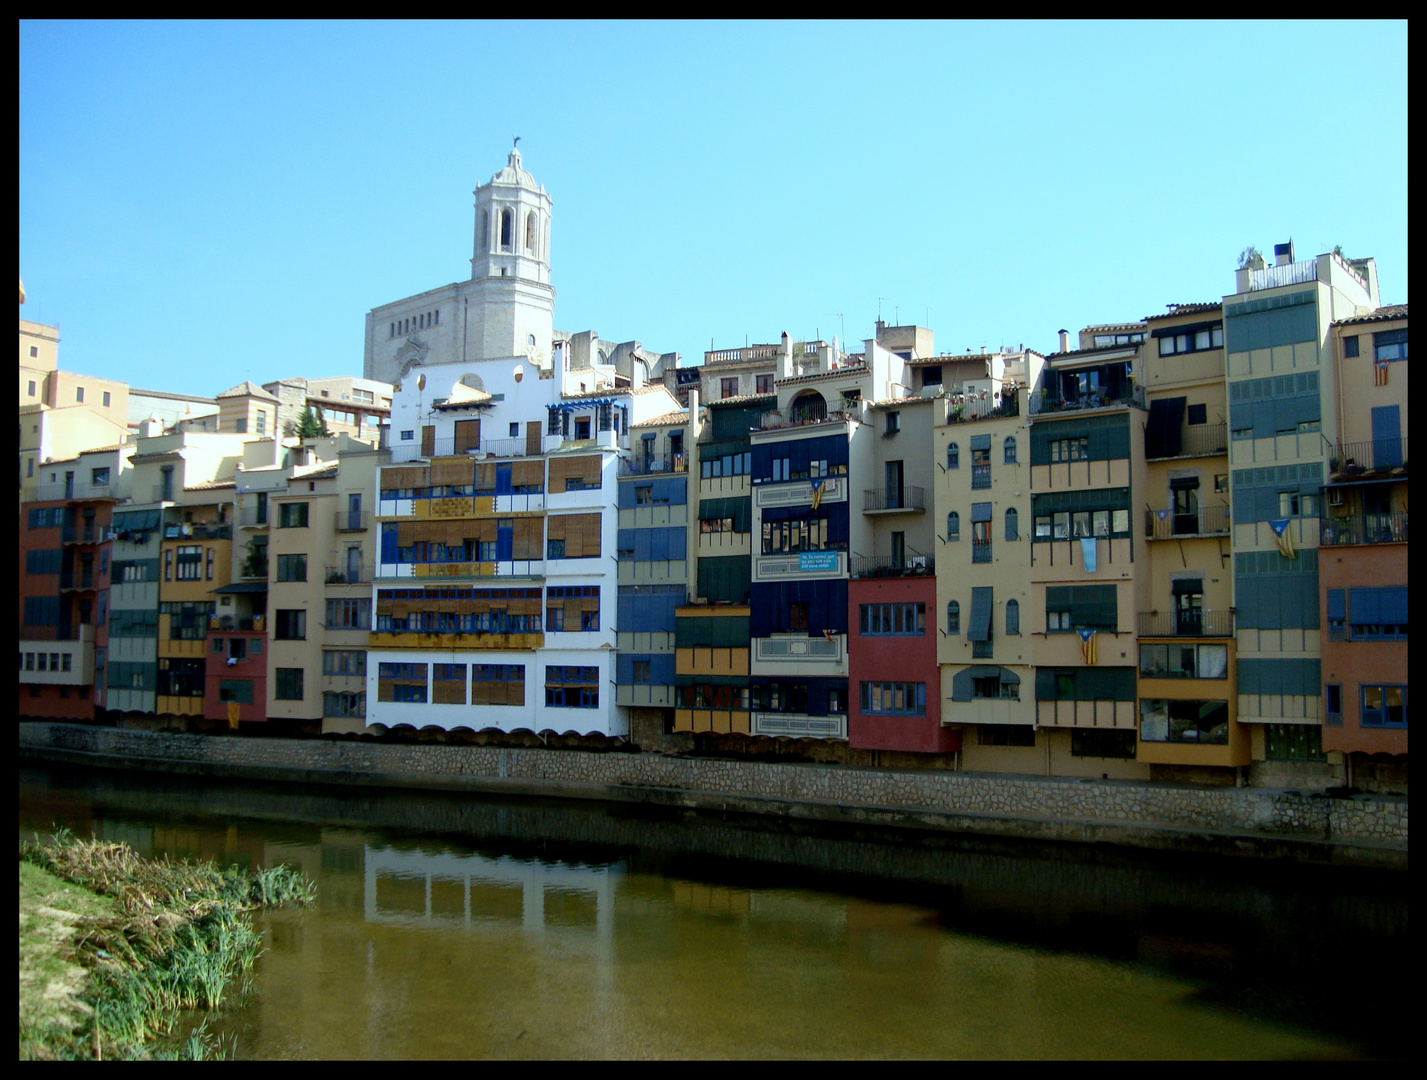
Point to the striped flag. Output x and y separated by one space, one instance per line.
1379 373
817 493
1284 537
1087 645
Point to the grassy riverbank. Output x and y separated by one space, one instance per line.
114 947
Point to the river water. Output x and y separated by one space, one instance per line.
459 927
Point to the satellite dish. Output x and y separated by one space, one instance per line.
421 382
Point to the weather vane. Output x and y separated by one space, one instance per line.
516 144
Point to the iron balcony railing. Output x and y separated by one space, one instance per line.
967 407
1363 529
1198 440
774 421
233 624
76 579
980 476
353 520
498 448
85 532
980 553
653 462
200 531
1198 623
903 498
250 517
912 564
1365 460
1168 525
348 575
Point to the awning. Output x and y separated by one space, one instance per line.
981 442
1187 586
242 587
1163 437
981 602
981 511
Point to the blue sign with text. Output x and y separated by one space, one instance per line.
813 561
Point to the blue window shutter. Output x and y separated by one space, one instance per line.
980 511
1337 608
1365 606
981 602
1394 605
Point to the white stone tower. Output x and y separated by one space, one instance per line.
511 300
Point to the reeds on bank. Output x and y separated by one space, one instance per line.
181 940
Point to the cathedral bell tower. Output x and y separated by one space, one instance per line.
510 301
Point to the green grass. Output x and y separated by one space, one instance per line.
137 942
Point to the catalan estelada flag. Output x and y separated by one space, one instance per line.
1379 373
817 493
1087 645
1284 537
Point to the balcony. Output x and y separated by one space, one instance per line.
1273 277
980 476
1363 529
966 408
353 521
71 580
980 553
206 530
1375 459
83 532
251 517
496 448
1186 624
1200 440
776 421
894 500
912 564
1049 402
655 463
230 624
1168 525
348 575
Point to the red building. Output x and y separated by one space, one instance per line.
235 675
894 684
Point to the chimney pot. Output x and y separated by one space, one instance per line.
1064 341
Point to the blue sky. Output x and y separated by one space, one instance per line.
206 202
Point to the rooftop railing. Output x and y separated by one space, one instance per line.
1272 277
1363 529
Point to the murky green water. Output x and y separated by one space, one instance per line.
455 927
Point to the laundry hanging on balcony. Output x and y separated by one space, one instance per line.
1087 552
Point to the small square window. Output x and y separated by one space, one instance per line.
514 430
1199 414
1221 482
407 436
894 423
34 350
1350 346
107 398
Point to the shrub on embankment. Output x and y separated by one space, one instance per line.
176 938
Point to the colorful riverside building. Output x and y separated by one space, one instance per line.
1363 553
495 591
1282 381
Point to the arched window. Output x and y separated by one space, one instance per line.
1010 444
1013 526
505 227
485 230
531 233
953 617
1013 617
953 456
953 526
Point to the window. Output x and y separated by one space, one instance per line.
953 456
1184 661
344 662
1076 449
1006 735
34 351
448 684
884 620
953 526
79 394
641 671
1390 345
347 706
291 567
235 691
894 423
262 423
728 387
1350 347
408 436
572 687
168 565
991 687
765 384
555 549
497 684
953 617
1384 706
1297 504
797 616
589 620
349 615
290 624
190 563
107 398
980 465
1192 339
1375 614
292 515
1080 607
1013 617
1333 704
1088 742
1009 446
1013 526
289 684
931 376
894 698
99 477
241 425
981 541
1198 414
1199 722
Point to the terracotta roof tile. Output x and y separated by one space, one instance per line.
742 399
665 420
1382 314
1175 310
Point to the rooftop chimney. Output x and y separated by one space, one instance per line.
1065 341
1283 253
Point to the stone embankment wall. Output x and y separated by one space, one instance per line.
1371 829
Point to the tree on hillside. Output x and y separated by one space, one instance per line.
1251 259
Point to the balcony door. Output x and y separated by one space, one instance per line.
893 474
1185 495
1189 607
1386 436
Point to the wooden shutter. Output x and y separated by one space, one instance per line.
449 471
399 479
528 474
468 435
555 526
533 435
428 441
528 541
